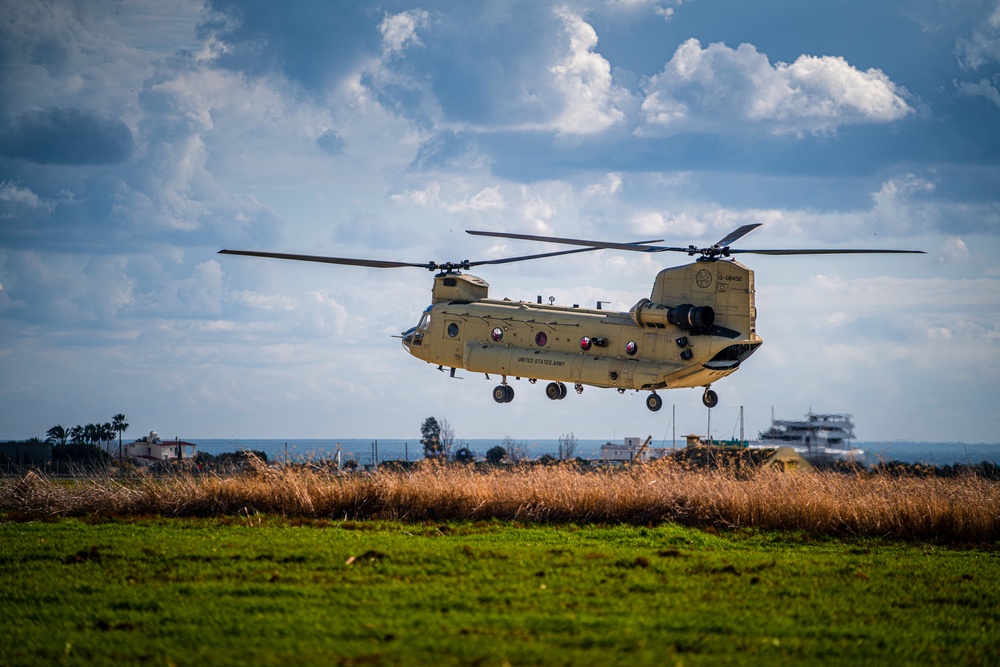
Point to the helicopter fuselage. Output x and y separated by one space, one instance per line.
698 325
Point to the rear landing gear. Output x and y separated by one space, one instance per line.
710 398
503 393
654 402
556 391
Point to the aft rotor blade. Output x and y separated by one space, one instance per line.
373 263
642 246
830 251
737 234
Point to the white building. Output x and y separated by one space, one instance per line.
149 449
632 450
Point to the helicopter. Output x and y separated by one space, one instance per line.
697 326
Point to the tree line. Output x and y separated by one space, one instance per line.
97 435
438 439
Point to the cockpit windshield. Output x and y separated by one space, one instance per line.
415 335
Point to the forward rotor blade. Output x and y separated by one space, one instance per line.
831 251
737 234
373 263
522 258
642 246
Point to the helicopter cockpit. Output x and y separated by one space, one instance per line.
414 336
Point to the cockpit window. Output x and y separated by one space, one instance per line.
425 321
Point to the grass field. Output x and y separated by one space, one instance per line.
260 590
658 564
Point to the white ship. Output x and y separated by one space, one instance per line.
818 436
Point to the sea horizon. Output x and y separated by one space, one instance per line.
368 450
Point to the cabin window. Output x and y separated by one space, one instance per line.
631 348
453 329
585 343
497 334
541 339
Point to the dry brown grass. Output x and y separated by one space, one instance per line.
964 509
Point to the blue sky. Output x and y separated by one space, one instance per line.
139 138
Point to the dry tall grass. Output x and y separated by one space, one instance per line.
965 509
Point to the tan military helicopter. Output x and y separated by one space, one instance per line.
697 326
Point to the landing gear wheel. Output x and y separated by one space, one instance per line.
654 402
510 393
710 398
553 392
502 393
562 391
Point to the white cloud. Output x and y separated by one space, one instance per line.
487 199
14 198
428 196
717 88
536 211
985 89
608 187
982 45
655 223
954 250
399 31
583 79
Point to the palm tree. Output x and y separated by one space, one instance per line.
106 434
57 435
120 426
90 434
76 434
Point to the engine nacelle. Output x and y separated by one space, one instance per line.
686 316
691 318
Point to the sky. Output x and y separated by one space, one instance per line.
139 138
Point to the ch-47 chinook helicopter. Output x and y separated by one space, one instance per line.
697 326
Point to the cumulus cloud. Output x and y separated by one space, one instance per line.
608 187
717 88
583 78
67 136
14 197
486 199
954 250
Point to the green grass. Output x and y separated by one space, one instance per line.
258 591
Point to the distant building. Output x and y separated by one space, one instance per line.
631 450
694 440
149 450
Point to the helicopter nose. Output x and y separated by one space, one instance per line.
408 336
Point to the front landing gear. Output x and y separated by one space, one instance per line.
654 402
710 398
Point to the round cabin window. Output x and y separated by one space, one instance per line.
585 343
631 348
497 335
541 339
452 329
